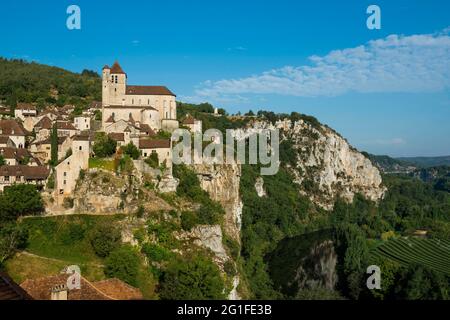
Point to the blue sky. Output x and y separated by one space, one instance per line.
390 96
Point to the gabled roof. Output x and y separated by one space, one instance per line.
25 106
44 123
11 128
9 290
110 119
4 139
153 144
110 289
149 90
65 125
146 128
117 69
29 172
117 136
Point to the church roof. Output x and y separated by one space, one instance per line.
149 90
154 144
131 107
116 68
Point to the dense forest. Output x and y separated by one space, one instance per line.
22 81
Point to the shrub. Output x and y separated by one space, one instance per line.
194 278
123 263
72 233
188 220
19 200
105 238
104 145
131 150
156 253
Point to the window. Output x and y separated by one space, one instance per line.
148 101
6 178
80 148
65 174
112 78
64 182
132 101
117 80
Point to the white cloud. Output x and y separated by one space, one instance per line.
397 63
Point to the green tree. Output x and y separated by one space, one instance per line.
12 237
131 150
54 145
19 200
104 145
123 263
104 239
192 279
2 160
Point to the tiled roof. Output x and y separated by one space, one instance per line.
9 290
116 136
149 90
153 144
117 69
65 125
11 128
118 289
81 138
44 123
4 139
112 289
130 107
25 106
29 172
146 128
14 153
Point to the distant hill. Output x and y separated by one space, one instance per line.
391 165
22 81
426 162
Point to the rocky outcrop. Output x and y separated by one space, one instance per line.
259 187
105 193
325 166
222 183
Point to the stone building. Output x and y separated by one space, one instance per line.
154 106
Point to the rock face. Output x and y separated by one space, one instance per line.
259 187
325 165
318 270
222 183
328 167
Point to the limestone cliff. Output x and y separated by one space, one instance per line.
222 184
324 164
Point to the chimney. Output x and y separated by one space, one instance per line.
59 292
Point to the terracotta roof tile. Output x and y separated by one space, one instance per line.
112 289
149 90
116 136
44 123
29 172
11 128
153 144
9 290
117 69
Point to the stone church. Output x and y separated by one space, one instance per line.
154 106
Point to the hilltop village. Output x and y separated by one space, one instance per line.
50 147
